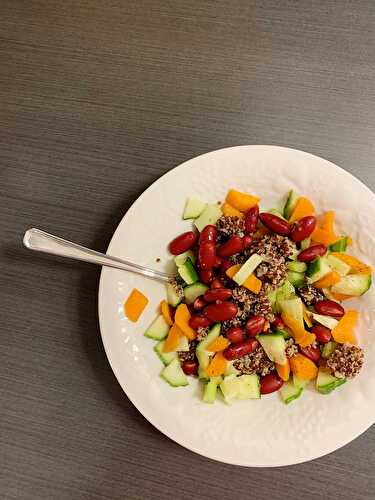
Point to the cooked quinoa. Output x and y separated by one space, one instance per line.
230 225
188 355
177 287
310 295
346 361
255 362
291 348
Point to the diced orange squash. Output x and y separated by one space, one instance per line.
306 317
300 335
230 211
344 331
319 235
231 271
303 367
219 344
260 232
328 222
253 284
356 265
173 339
283 370
166 312
135 305
182 317
241 201
266 326
303 208
341 297
217 365
328 280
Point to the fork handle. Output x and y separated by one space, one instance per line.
36 239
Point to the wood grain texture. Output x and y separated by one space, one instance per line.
97 100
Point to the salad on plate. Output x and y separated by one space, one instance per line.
258 304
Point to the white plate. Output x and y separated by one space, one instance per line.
250 433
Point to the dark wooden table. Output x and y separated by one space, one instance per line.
97 100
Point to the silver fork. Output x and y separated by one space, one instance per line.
35 239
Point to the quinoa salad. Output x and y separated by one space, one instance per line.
258 304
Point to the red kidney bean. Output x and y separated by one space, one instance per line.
235 351
226 264
278 323
322 334
230 247
206 275
274 223
247 241
254 325
311 352
216 283
270 383
329 308
217 294
199 303
199 321
303 228
190 367
182 243
235 334
218 261
220 312
251 219
207 255
208 235
312 253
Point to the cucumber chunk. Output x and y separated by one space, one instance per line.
353 284
212 335
173 297
294 308
274 346
165 357
242 387
317 269
326 321
305 243
193 208
298 267
296 279
158 329
209 215
246 269
289 392
183 345
290 203
285 292
188 273
328 349
272 296
326 382
300 383
193 291
203 360
174 375
183 257
339 246
338 265
210 389
231 370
